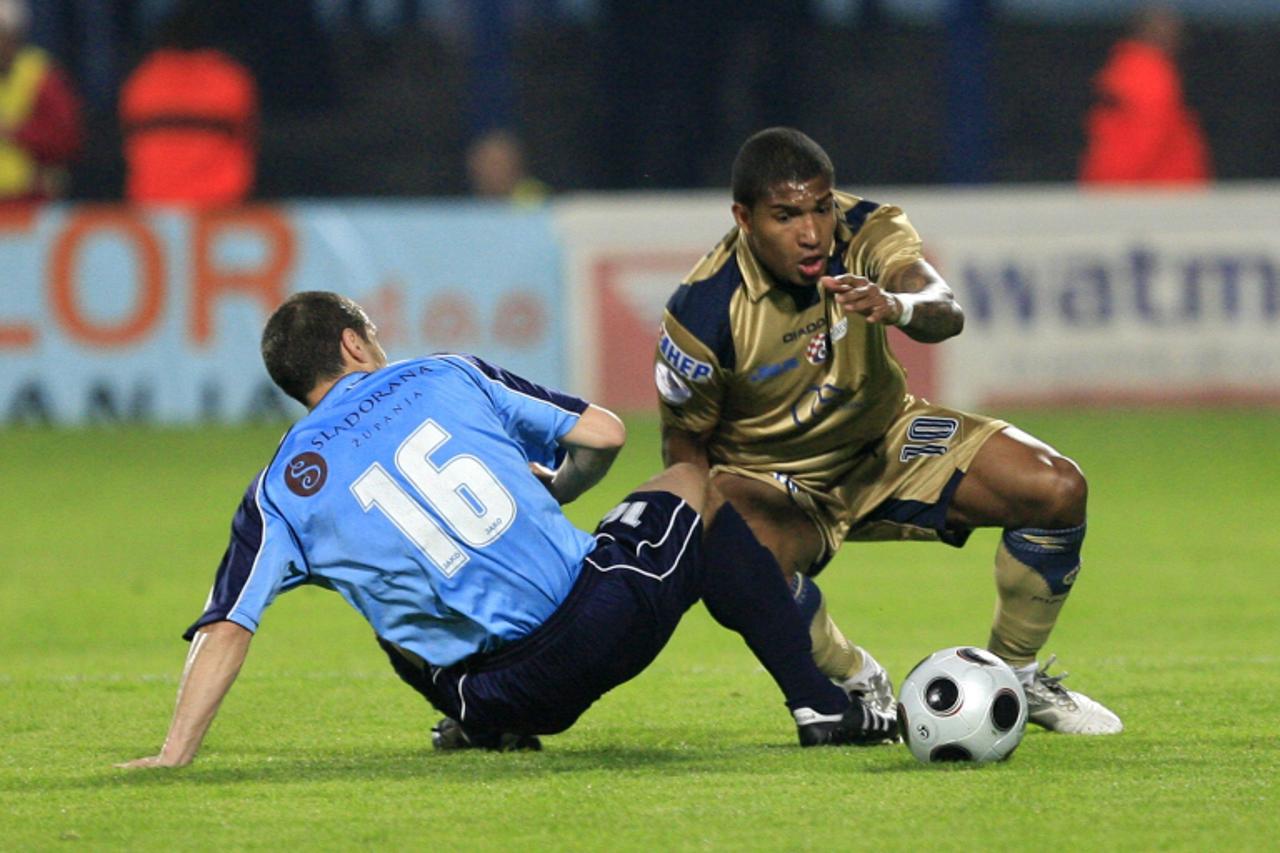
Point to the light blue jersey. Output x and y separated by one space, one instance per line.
408 491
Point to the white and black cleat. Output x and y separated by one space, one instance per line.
1058 709
860 725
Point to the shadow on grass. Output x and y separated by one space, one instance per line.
291 767
908 765
287 765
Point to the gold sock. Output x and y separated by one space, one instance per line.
1026 610
835 656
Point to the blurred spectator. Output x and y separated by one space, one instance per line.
40 127
189 114
496 169
1140 130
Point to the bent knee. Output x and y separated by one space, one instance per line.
1064 495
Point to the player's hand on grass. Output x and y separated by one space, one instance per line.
858 295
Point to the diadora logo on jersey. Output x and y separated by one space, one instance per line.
818 349
671 387
305 474
768 371
797 334
686 365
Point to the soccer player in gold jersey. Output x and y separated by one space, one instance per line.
774 372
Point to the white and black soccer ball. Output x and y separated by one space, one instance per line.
962 704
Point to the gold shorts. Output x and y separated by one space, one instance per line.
899 487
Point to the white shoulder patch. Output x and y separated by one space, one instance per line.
671 387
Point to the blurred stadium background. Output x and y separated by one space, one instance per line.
968 113
380 97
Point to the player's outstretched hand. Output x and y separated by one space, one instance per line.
858 295
151 761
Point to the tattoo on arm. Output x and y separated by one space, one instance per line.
936 315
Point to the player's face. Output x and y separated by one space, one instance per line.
790 229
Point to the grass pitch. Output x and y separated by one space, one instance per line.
111 538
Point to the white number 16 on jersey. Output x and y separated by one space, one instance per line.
462 491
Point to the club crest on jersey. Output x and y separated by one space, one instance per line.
305 474
681 362
818 349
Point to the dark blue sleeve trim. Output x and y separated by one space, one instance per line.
858 214
703 309
519 384
237 561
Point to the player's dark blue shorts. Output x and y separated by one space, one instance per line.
644 573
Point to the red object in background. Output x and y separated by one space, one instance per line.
41 114
190 129
921 363
1140 131
628 333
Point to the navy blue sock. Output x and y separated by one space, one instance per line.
807 597
744 591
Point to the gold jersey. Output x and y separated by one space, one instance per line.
775 376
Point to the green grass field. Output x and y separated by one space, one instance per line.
111 538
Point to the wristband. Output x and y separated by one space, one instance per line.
908 308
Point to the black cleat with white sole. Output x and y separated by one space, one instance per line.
860 725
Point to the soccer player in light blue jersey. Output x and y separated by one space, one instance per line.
427 494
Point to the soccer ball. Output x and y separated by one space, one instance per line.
962 704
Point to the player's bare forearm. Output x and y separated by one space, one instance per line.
935 314
914 298
582 468
591 446
214 661
680 445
